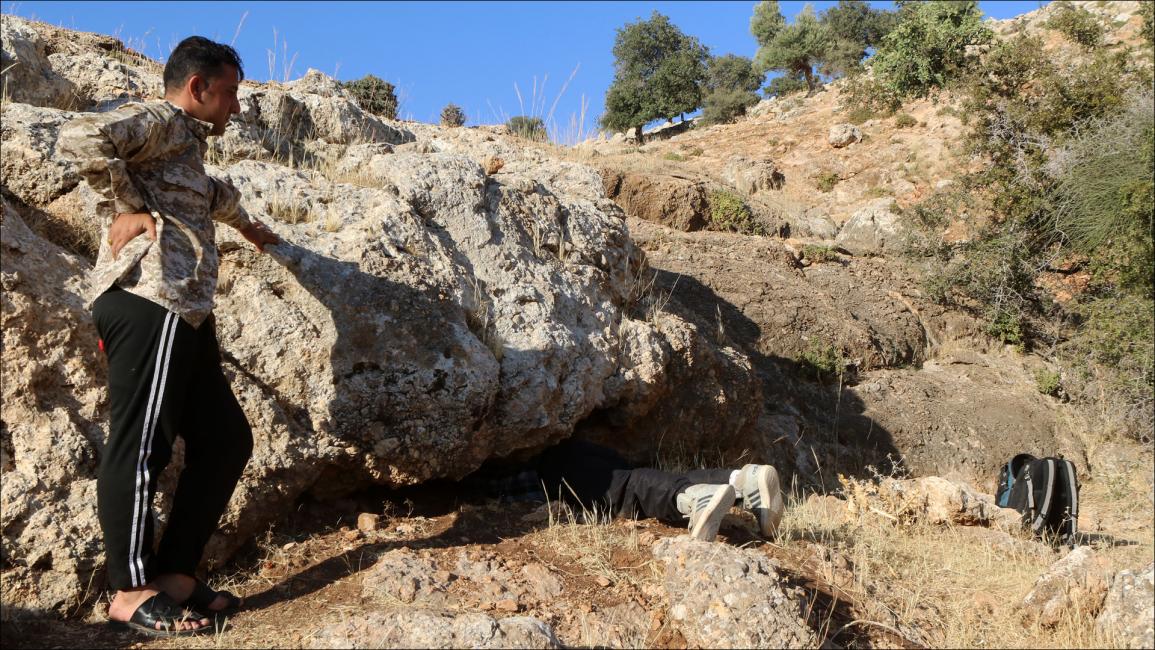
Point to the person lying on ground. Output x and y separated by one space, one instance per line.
595 478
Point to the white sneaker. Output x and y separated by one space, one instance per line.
706 505
760 494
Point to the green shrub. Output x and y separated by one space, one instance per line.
1147 11
452 115
1048 382
1077 24
375 95
1105 195
868 94
818 253
725 106
904 121
1113 356
530 128
674 157
860 114
933 44
728 212
824 360
826 180
784 85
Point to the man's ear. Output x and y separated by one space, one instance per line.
195 86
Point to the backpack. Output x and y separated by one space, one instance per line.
1045 491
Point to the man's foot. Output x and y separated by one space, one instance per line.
194 594
705 505
153 612
760 493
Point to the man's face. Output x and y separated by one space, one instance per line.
217 100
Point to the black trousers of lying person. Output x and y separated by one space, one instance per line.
597 478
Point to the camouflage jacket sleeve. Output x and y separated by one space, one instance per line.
226 206
102 145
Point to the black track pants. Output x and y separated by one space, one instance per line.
164 380
592 476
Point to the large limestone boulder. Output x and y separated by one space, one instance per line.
726 597
872 230
1128 616
417 628
28 76
752 176
1076 583
421 317
842 135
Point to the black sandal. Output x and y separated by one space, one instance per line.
202 597
161 609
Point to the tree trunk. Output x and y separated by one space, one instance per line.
809 80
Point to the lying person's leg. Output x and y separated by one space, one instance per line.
757 487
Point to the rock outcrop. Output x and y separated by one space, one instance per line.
1128 615
421 317
725 597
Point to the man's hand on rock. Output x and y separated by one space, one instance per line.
127 226
259 234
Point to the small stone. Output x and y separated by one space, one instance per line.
507 605
367 522
492 164
604 581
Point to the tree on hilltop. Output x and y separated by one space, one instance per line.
932 43
729 88
854 27
658 71
793 49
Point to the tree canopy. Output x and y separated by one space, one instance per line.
658 74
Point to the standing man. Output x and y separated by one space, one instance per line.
152 290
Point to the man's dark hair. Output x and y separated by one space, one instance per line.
199 55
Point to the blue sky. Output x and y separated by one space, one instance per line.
468 53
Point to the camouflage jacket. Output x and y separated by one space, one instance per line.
150 158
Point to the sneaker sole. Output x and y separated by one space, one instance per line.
766 502
705 529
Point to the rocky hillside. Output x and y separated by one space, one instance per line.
451 297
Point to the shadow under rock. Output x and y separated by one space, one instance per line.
834 436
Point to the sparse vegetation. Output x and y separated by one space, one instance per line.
1048 382
530 128
1077 24
452 115
824 360
728 212
826 180
904 121
818 253
860 114
375 95
674 157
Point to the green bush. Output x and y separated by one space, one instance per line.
728 212
452 115
1105 195
867 95
932 45
530 128
1048 382
725 106
1077 24
824 360
375 95
826 180
1147 11
675 157
860 114
784 85
818 253
904 121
